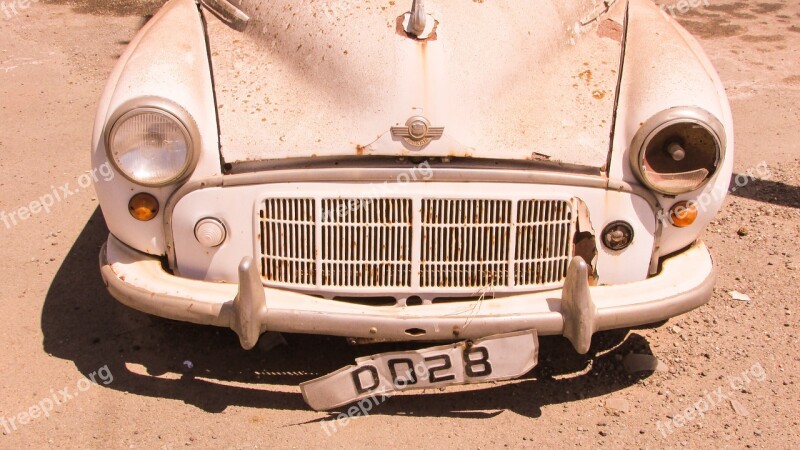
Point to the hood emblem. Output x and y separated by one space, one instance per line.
418 132
417 23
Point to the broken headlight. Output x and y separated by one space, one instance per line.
678 150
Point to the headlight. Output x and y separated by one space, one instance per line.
678 150
150 146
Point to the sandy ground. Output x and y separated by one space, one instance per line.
59 323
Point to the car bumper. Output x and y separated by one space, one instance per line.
576 311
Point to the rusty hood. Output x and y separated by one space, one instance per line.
500 80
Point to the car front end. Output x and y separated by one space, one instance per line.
400 174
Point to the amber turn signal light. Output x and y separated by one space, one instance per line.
143 207
683 214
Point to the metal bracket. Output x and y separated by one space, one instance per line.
228 13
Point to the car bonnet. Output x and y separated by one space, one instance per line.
499 80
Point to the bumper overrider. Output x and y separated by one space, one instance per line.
577 311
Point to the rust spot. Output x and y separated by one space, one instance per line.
360 150
539 157
586 76
610 29
599 95
402 31
584 243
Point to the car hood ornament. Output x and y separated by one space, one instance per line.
417 23
418 132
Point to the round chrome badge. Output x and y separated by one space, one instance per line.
418 132
418 127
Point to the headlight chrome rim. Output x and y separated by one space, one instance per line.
168 109
665 119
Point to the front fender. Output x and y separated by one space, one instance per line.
665 67
167 59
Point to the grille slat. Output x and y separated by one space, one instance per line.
548 225
364 242
473 245
287 242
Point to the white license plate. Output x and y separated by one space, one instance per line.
501 357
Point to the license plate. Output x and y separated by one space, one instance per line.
500 357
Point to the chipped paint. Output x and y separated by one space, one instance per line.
584 241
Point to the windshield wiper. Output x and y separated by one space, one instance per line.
228 13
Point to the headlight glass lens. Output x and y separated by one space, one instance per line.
150 147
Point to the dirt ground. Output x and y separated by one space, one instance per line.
729 373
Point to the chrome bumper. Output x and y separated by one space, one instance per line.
577 311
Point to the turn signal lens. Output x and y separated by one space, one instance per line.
143 207
683 214
210 232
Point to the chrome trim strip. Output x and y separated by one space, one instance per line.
618 91
404 162
228 13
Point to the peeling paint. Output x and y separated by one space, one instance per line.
584 241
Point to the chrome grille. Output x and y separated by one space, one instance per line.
366 242
288 241
543 242
465 243
415 246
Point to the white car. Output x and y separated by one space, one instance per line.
413 171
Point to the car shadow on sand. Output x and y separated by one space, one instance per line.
764 190
147 355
